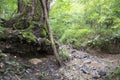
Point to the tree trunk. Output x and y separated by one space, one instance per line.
28 32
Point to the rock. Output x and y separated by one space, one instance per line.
84 71
96 64
95 75
36 60
6 78
73 51
102 73
88 61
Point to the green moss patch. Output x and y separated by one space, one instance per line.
29 36
2 32
2 29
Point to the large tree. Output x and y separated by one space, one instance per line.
29 30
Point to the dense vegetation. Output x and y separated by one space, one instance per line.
6 10
94 23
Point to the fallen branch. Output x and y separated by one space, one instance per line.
50 33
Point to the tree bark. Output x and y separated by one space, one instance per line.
27 31
50 33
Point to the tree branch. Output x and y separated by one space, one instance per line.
50 33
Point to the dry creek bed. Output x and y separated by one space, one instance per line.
79 66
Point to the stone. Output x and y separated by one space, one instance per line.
95 75
84 71
102 73
87 61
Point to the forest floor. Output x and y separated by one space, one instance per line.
79 66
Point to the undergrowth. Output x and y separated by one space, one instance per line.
115 75
64 54
76 37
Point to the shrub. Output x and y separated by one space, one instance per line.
109 44
76 37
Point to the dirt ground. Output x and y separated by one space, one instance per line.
79 66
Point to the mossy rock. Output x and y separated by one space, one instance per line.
3 33
47 42
43 33
29 36
32 25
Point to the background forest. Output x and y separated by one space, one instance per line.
86 22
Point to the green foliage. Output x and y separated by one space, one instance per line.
105 42
29 36
43 74
76 22
115 75
8 8
26 1
43 33
61 17
2 29
76 37
80 22
64 54
2 32
47 42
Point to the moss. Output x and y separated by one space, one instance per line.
37 10
43 33
2 32
32 25
47 42
21 23
29 36
2 29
